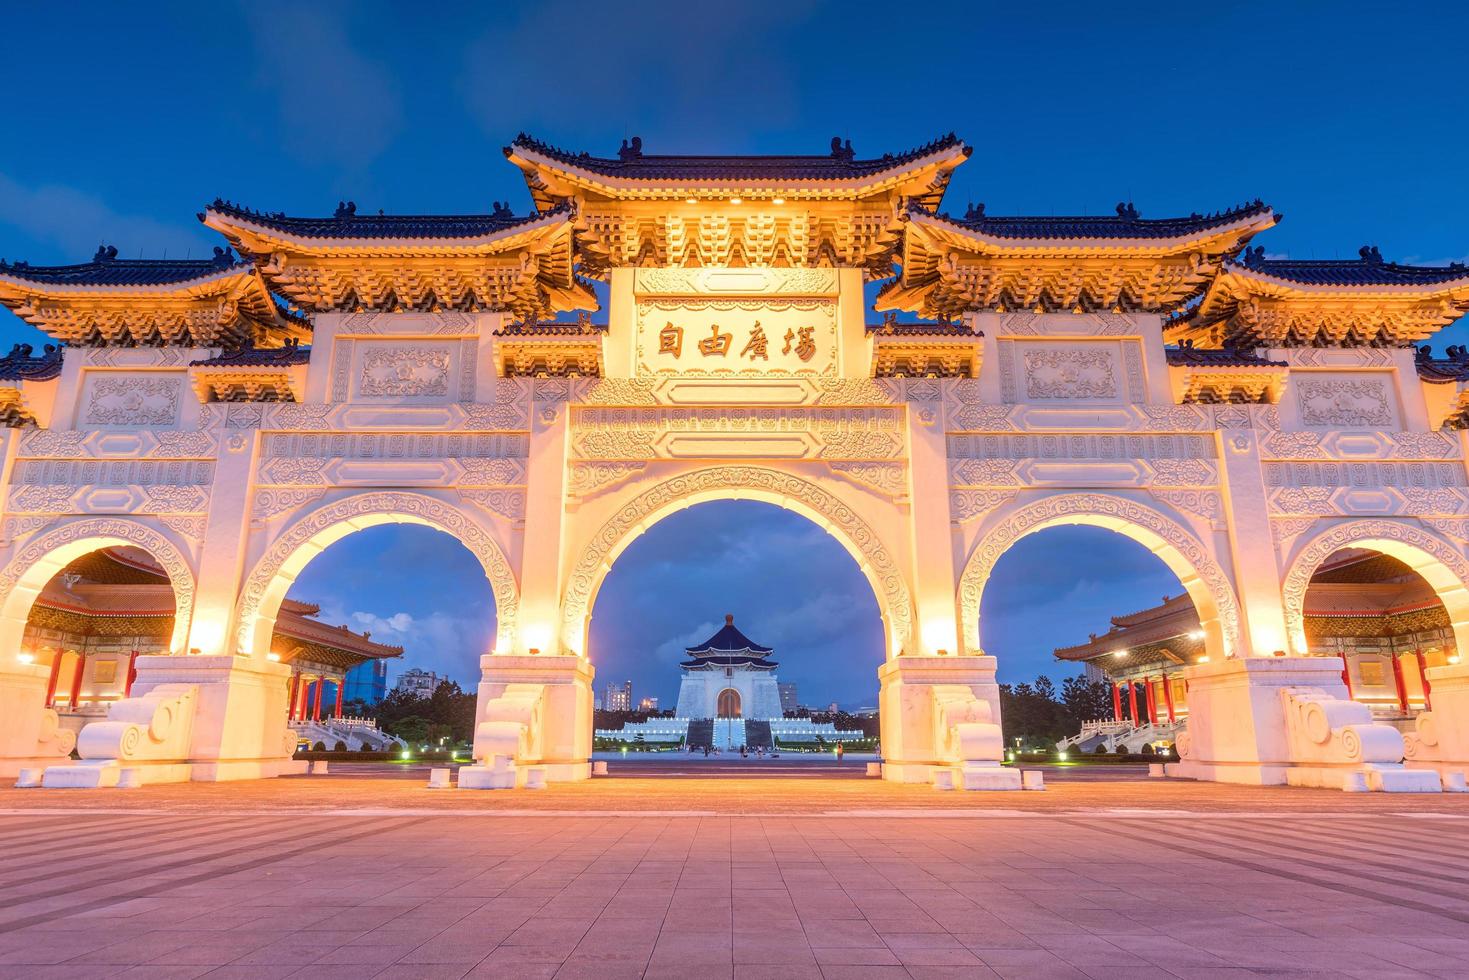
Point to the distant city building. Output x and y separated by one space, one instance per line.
367 682
648 704
618 697
419 682
788 702
833 708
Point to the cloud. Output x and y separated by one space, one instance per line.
337 104
77 222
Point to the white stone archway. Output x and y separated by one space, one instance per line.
645 508
52 550
273 574
1184 554
1440 563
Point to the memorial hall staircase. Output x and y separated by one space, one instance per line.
757 735
701 733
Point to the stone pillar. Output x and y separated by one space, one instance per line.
221 561
76 680
934 579
540 564
1440 739
1252 547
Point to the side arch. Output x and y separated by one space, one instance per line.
1441 564
49 552
1184 554
273 574
786 490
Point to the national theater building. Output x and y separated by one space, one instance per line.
657 330
1383 622
93 621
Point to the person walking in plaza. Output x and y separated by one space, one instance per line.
840 752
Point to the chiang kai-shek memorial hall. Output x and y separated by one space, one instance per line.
1244 417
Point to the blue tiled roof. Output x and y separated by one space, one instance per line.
729 640
840 163
1368 269
22 365
292 353
1127 223
892 328
1185 354
106 269
1454 367
347 223
581 326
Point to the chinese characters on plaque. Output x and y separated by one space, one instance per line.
798 340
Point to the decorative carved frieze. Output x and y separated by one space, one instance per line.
507 502
965 505
748 282
888 479
444 322
272 501
587 478
1121 446
809 433
1207 505
311 459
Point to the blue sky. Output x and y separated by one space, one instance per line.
124 120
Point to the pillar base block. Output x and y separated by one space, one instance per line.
940 714
32 734
1270 721
538 710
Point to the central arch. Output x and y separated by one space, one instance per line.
787 490
1185 555
1441 565
273 574
40 559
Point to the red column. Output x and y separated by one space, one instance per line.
127 687
55 676
1168 699
1397 676
76 680
1132 702
1346 674
291 697
316 704
1152 702
1423 673
337 711
1116 701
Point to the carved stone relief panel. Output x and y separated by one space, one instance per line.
404 370
1070 371
60 486
320 459
112 398
1332 400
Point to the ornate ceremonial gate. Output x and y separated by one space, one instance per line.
737 361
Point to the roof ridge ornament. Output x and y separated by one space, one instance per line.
347 209
105 253
502 210
1127 211
631 151
974 212
841 151
1370 255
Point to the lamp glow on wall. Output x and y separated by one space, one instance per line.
206 637
537 637
939 638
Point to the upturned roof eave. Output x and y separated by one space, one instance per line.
854 188
264 238
1230 233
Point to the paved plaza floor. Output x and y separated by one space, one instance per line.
358 874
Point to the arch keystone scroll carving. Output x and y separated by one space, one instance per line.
361 511
739 482
47 553
1437 560
1187 556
